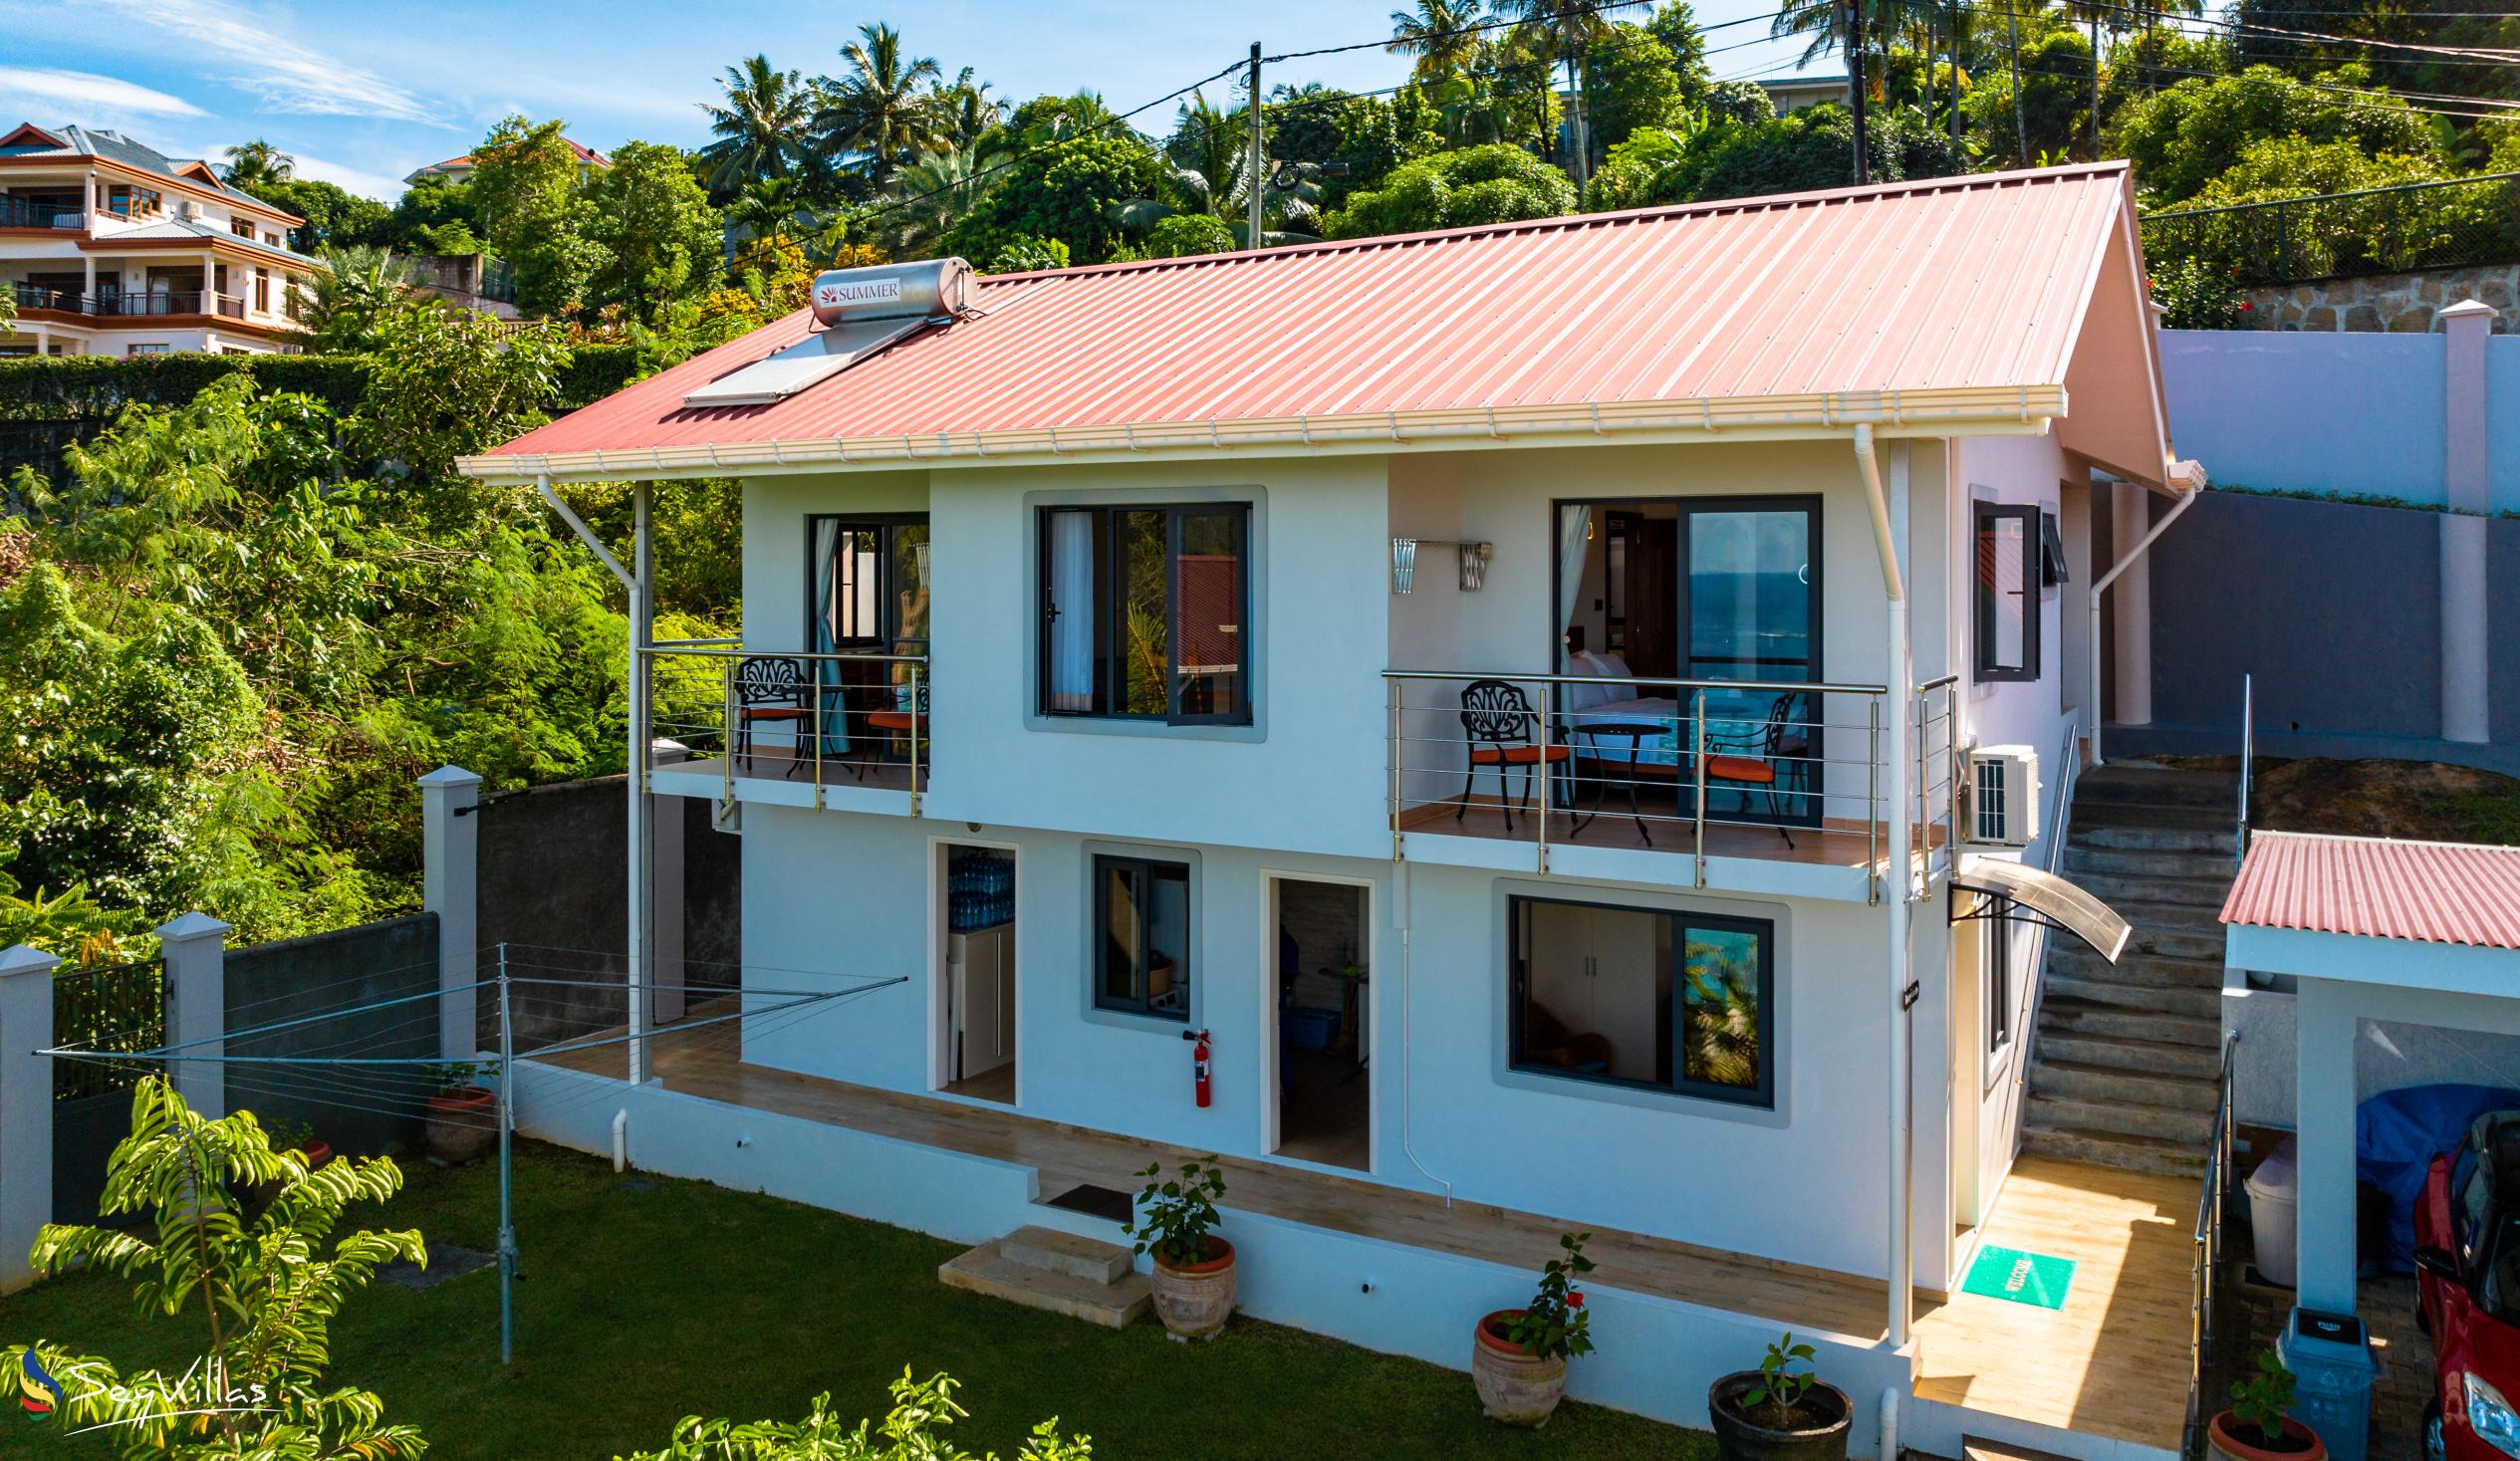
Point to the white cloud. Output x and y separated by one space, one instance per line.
358 180
285 75
76 95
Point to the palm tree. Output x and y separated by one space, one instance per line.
760 131
770 206
254 163
1439 34
1560 30
1208 162
359 284
966 110
880 110
938 189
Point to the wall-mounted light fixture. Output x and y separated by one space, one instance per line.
1473 558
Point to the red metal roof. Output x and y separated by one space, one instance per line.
2437 892
1959 284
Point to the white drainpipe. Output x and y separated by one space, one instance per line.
1901 679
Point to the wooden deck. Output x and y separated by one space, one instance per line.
1839 844
2112 1362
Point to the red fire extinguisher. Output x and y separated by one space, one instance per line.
1198 1063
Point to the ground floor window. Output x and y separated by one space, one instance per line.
1142 936
1647 998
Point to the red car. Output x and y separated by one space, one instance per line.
2467 1256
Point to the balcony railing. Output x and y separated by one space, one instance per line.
119 305
39 213
46 297
827 721
1784 770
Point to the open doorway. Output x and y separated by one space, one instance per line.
976 971
1323 947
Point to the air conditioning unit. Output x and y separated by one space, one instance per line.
187 209
1999 797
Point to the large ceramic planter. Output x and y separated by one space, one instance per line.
1193 1300
1822 1436
462 1123
2226 1438
1515 1386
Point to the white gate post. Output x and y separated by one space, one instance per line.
195 950
451 887
26 1107
2467 492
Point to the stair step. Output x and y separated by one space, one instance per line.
2133 835
2158 787
2081 1081
987 1270
2128 1020
2148 862
2147 999
2115 888
2118 1053
1066 1253
1978 1448
2113 1149
2117 1118
2205 820
2074 961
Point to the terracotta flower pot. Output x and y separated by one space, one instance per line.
1515 1386
462 1123
1820 1435
1193 1299
316 1153
2226 1437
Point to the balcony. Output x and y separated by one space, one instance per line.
16 212
1750 785
116 305
845 730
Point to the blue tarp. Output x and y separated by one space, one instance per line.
2397 1133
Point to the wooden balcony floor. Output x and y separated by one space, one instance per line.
776 765
1830 846
2112 1362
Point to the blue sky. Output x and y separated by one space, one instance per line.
360 92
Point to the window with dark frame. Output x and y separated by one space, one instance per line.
2008 554
1999 981
1141 937
1143 612
1648 998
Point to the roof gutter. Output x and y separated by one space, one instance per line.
2012 411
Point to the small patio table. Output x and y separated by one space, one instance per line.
1636 733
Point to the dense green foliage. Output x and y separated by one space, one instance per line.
2181 140
1496 184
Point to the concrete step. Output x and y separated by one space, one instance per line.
2114 1149
2145 862
2145 786
2126 1020
2074 961
2174 930
2134 836
2114 1118
2146 999
2117 1052
2116 889
987 1270
1978 1448
2079 1081
1066 1253
2201 820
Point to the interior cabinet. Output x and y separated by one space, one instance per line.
1602 971
980 983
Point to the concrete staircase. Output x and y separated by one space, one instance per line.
1043 1268
2124 1070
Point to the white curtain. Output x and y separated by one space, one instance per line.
1072 610
1574 533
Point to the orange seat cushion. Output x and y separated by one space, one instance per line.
1513 754
1740 767
785 712
890 720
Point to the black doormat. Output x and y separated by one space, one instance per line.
1101 1202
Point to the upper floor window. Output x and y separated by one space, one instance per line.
1143 612
1681 1002
241 227
126 201
2009 555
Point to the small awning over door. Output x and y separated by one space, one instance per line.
2043 898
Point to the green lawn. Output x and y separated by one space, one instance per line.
638 1307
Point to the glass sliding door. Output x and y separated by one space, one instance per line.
1750 611
868 578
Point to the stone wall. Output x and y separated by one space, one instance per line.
2394 304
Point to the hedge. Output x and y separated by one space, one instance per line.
97 388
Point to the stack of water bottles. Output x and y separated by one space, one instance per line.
982 889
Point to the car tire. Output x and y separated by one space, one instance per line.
2436 1447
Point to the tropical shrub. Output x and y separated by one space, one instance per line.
1554 1324
914 1430
1184 234
1024 254
1496 183
2198 295
2183 139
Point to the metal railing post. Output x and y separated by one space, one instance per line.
1697 759
815 721
918 722
2248 766
1873 796
729 733
1394 695
1546 698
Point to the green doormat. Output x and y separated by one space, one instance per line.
2023 1278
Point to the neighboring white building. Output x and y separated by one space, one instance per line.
1794 92
109 247
460 169
1110 674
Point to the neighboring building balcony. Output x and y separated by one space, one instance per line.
154 304
844 729
16 212
1778 787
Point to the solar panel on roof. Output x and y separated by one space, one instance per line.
818 357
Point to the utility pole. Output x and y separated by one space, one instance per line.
1259 184
1856 87
2020 127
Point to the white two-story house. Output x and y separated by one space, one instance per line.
109 247
1503 690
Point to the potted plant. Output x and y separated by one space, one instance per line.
2256 1428
1518 1355
1779 1413
1194 1268
464 1117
